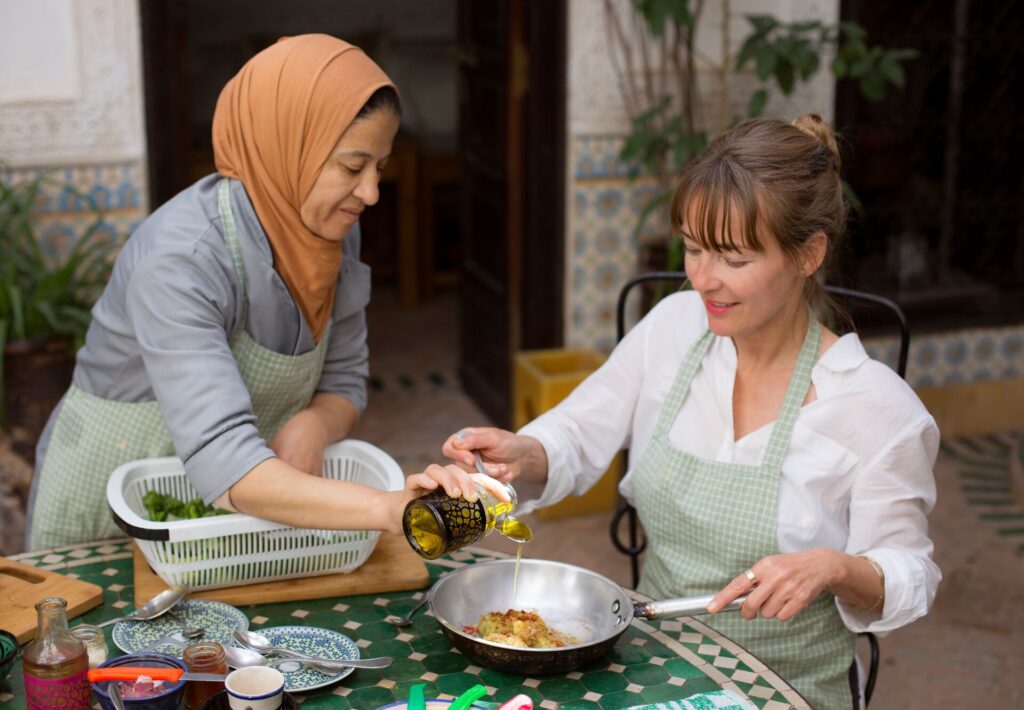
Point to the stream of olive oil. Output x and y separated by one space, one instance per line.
519 532
515 583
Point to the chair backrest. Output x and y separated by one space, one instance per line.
635 546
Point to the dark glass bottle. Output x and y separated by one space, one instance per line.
437 523
55 662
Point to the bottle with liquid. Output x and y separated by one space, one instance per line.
437 523
203 657
55 662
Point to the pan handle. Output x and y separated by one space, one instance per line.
684 606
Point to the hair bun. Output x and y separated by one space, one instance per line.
815 126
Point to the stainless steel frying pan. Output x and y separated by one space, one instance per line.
571 599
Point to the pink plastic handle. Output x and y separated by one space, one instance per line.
97 675
520 702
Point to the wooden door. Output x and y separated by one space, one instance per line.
164 27
511 151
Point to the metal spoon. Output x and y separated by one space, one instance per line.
114 691
157 606
480 463
407 619
525 534
245 657
187 634
259 642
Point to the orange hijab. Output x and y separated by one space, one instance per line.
275 125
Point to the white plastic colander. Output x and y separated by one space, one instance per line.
224 550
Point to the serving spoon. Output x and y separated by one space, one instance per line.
258 642
406 620
157 606
512 528
245 657
114 691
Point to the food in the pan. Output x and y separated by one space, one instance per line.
522 629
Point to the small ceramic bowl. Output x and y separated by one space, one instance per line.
169 699
8 652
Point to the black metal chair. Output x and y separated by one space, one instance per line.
636 543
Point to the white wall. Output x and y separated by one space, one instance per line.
72 92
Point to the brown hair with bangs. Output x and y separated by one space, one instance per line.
767 177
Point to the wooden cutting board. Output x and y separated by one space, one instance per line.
21 586
392 567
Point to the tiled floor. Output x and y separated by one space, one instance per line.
967 653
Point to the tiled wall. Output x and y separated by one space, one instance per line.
90 134
117 189
602 255
602 249
957 358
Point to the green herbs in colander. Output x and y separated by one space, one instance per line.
163 507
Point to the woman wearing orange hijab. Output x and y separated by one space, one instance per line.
232 332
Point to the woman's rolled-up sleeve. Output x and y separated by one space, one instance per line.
889 506
179 305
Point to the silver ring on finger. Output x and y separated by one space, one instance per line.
751 576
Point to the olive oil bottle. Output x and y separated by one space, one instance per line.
437 523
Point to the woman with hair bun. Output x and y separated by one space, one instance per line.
232 332
769 457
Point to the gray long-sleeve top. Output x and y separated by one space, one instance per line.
162 327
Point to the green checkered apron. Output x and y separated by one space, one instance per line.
707 521
92 436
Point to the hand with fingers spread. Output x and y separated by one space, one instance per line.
781 586
506 456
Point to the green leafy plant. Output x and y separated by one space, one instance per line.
45 296
163 507
655 56
784 53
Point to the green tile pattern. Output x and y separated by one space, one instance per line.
652 661
992 480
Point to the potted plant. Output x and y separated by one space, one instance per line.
45 302
655 54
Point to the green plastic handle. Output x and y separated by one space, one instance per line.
468 698
416 698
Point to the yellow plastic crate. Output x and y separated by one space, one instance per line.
543 378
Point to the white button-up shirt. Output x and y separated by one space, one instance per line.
857 476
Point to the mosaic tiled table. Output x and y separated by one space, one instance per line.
653 661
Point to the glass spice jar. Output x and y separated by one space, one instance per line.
95 643
203 657
55 662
